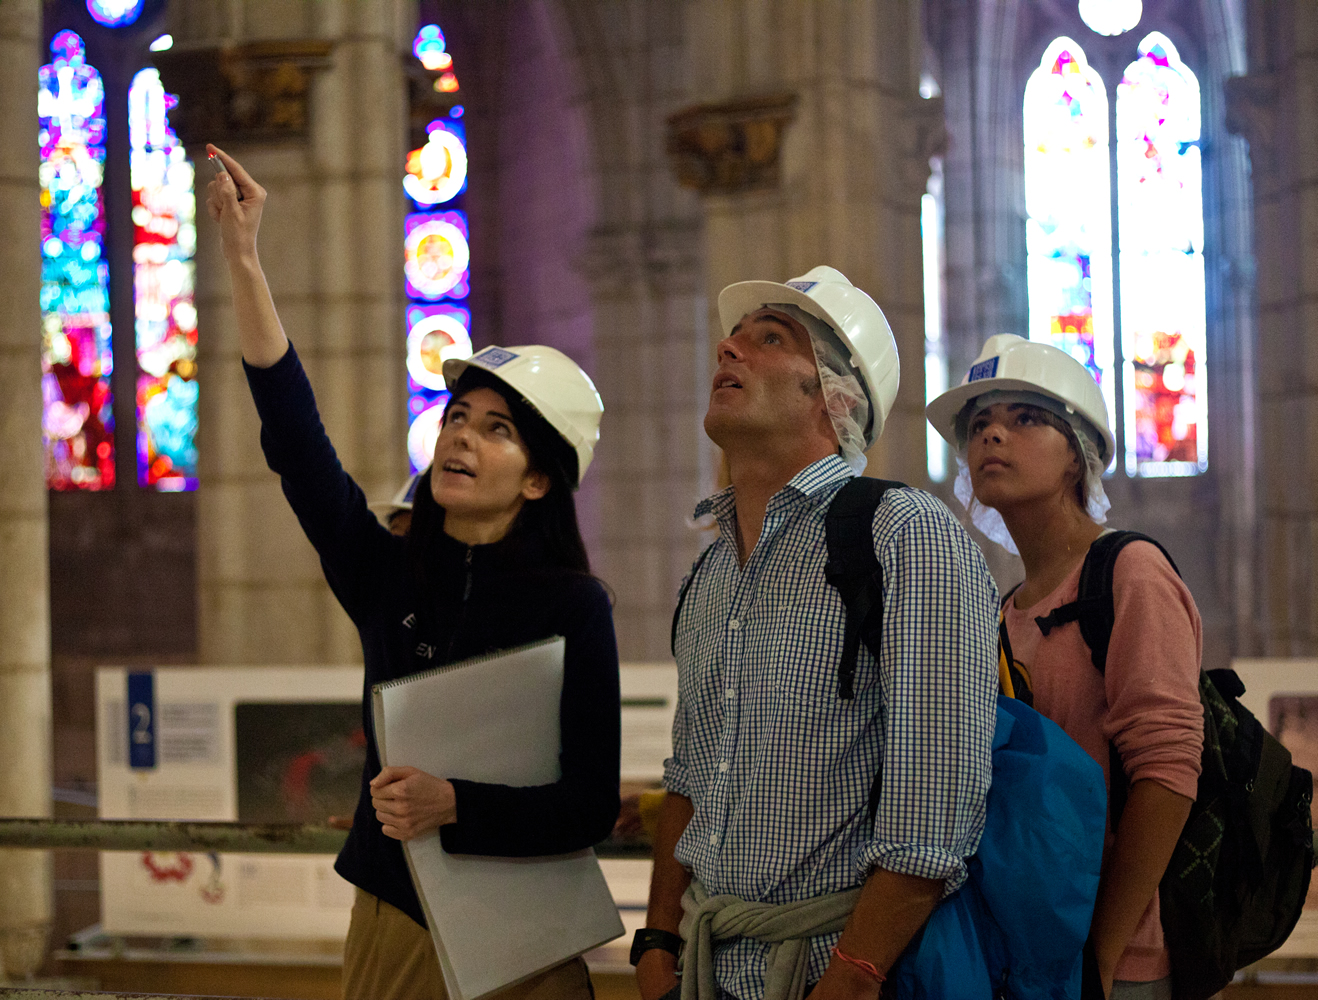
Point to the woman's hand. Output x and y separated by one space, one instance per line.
239 220
409 802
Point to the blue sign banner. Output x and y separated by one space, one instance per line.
142 720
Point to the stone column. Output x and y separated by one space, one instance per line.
853 163
1272 107
647 296
25 900
313 104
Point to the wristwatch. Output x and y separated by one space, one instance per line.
648 938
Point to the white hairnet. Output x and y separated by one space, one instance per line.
844 394
988 520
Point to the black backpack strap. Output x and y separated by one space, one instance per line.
1095 610
1095 606
854 570
681 597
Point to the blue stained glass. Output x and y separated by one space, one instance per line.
76 360
436 262
1068 208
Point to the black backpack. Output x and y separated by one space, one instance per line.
852 568
1237 880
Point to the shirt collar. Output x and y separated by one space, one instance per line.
816 476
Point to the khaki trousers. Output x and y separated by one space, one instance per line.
389 957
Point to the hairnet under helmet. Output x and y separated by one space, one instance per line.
988 520
844 396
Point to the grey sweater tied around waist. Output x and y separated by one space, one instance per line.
785 927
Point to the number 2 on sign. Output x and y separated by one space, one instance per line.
141 723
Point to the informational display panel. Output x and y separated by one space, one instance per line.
248 744
1283 695
649 698
278 745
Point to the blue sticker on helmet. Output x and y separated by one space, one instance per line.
801 286
983 370
493 357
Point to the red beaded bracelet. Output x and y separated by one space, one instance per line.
869 968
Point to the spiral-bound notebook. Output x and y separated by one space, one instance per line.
495 921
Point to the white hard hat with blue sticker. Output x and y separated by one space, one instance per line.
552 383
1009 363
825 293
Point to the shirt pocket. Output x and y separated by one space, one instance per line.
806 651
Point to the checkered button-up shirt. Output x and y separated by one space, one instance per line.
777 767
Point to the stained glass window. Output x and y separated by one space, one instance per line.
1160 239
76 359
1161 232
164 241
1068 207
436 258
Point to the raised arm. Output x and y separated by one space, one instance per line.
356 552
259 330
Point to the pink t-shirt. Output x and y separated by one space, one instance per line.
1147 702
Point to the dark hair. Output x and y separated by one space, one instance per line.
550 520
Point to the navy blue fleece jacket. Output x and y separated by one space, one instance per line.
490 597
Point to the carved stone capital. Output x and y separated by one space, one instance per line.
928 138
1251 112
253 92
732 147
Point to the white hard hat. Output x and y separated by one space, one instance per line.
402 500
552 383
1013 364
825 293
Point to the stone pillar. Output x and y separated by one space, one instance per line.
25 716
649 340
854 161
313 104
1272 107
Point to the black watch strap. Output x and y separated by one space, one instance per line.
648 938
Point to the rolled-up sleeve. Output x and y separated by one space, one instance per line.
939 677
1154 715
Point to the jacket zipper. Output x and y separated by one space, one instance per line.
462 615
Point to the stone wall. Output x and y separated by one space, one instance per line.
330 247
24 601
1273 108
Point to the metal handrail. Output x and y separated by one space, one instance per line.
164 835
30 993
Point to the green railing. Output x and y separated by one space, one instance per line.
158 835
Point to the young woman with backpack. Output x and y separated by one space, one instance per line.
1031 432
493 560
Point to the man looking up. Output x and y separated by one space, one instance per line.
772 768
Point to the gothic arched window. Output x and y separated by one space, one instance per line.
1068 207
76 357
1148 352
1160 199
97 196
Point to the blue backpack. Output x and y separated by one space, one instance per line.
1018 926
